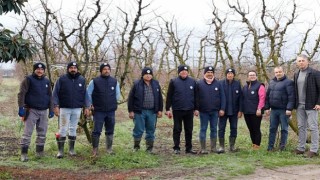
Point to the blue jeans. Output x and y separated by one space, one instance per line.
103 118
145 121
68 120
205 118
233 120
278 116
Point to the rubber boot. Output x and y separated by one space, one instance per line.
60 142
39 151
232 141
203 147
213 143
109 142
136 146
72 141
221 143
24 154
149 146
95 145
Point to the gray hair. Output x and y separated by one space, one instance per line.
303 56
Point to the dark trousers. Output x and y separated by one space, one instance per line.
187 118
103 118
233 120
254 123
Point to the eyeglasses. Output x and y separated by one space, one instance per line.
252 75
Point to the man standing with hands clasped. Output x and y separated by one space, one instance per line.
307 90
34 100
212 103
233 91
280 101
181 97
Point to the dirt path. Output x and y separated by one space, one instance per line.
286 173
310 172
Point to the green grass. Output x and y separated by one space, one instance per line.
219 166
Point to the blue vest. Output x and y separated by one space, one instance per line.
236 95
210 96
72 91
136 97
251 98
38 96
104 94
184 94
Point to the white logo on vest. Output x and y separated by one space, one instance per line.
252 92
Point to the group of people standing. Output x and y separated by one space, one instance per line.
214 101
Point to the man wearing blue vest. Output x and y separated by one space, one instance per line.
145 105
34 100
69 98
212 103
103 94
181 96
233 91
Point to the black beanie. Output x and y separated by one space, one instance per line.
72 64
146 70
182 67
104 65
208 68
231 70
39 65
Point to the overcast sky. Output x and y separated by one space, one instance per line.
190 14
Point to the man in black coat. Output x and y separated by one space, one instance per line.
280 101
307 90
145 105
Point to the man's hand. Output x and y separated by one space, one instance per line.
159 114
131 115
56 111
239 114
317 107
268 112
288 113
86 112
221 113
196 113
169 114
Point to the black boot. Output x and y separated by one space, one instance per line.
95 145
136 146
24 154
72 141
203 147
213 144
39 151
221 143
109 142
232 141
60 142
149 146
